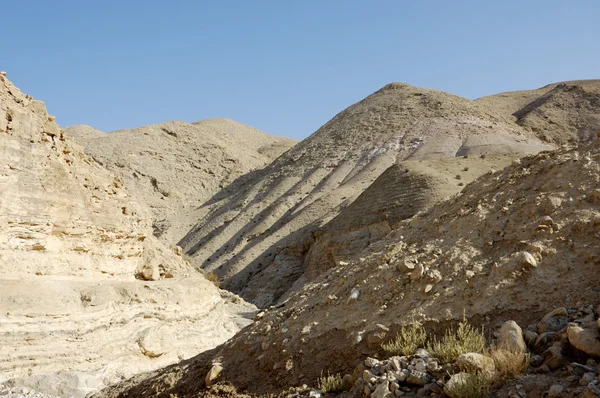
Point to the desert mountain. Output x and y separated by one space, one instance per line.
175 167
256 234
88 296
515 244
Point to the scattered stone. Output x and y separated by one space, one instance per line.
587 378
553 356
376 337
530 338
536 360
554 321
382 391
585 340
526 259
213 374
543 341
371 362
592 390
150 271
417 378
511 337
354 294
367 376
347 381
417 272
556 391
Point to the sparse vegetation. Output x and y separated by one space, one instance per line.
331 383
213 278
473 385
509 365
407 341
460 341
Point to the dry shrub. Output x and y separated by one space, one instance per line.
460 341
331 383
407 341
213 278
474 385
509 365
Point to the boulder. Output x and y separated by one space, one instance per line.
554 321
473 362
585 340
511 337
553 356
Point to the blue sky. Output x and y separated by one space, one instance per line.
285 67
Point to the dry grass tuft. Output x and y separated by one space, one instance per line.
460 341
407 341
474 385
213 278
509 365
331 383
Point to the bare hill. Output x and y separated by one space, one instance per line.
256 234
88 295
174 167
562 113
515 244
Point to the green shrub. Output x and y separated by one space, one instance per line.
331 383
460 341
407 341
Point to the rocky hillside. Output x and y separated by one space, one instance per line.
561 113
256 235
175 167
515 244
88 295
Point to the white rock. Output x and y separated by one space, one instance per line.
511 337
213 374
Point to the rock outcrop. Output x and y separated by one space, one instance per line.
88 295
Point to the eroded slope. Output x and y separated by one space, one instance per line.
88 295
256 234
515 244
174 167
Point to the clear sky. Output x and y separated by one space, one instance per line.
284 67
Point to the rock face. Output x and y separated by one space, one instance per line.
471 240
88 294
175 167
259 236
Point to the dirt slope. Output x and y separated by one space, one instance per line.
562 113
256 234
87 295
515 244
174 167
